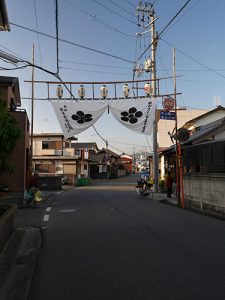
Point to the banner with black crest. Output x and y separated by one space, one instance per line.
136 114
76 116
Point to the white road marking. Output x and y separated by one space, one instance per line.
48 209
68 210
46 218
58 193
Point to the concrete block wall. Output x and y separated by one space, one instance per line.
7 215
207 192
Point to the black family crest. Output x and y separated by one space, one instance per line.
81 117
131 115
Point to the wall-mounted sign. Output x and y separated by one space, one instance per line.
168 103
167 115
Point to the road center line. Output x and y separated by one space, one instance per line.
46 218
48 209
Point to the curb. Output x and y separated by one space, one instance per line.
17 263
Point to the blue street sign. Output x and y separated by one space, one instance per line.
167 115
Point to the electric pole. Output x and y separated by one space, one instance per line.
155 127
147 8
32 111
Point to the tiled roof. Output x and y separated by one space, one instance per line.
84 145
218 108
207 130
110 152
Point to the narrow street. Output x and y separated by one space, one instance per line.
102 242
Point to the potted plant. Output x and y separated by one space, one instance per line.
162 186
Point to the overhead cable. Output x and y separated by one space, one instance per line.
94 17
121 8
36 19
182 8
195 60
104 140
183 15
74 44
93 71
95 65
131 4
57 34
111 10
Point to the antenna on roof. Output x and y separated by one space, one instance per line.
217 101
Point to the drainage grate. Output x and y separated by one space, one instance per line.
23 260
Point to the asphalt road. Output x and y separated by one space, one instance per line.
102 242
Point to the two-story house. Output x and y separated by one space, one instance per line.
17 181
56 156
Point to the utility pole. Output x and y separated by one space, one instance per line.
134 160
32 110
155 127
147 8
107 159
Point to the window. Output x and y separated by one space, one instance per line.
85 167
44 145
49 145
77 152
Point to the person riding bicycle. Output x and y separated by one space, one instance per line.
142 184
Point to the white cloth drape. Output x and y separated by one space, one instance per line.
76 116
136 114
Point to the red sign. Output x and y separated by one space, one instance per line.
168 103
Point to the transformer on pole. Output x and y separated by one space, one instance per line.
150 66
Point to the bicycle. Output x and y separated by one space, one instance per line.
144 190
34 198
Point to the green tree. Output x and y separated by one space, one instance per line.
9 134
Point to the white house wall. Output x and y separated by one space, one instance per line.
167 125
209 118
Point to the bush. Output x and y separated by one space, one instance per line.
9 133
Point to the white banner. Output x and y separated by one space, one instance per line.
76 116
136 114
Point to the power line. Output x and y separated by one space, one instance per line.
14 53
195 60
36 19
94 17
57 34
182 8
183 15
111 10
131 4
74 44
95 65
92 71
115 148
122 8
104 140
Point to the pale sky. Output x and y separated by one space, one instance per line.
110 26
